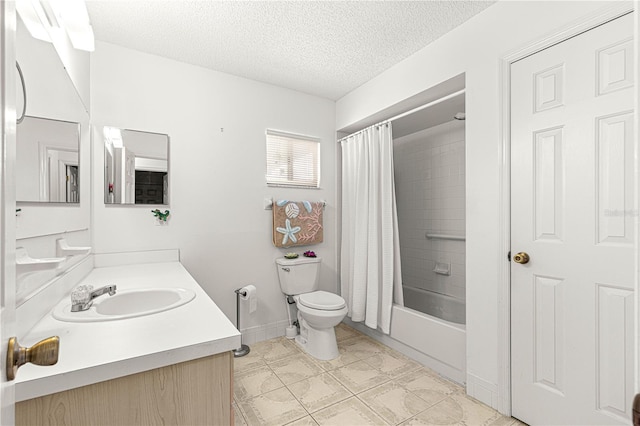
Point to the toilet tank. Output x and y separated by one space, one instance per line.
299 275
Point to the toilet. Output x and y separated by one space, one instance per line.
318 311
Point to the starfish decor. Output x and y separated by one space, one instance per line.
288 232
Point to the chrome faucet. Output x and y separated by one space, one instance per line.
82 297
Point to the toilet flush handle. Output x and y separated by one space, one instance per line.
286 269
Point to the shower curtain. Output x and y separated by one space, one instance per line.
370 273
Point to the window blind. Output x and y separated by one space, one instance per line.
292 160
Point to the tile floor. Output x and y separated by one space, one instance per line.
368 384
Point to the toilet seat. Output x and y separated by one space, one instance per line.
322 300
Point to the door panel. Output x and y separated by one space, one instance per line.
572 211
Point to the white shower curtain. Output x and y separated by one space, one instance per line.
370 273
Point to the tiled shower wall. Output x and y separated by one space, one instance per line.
430 191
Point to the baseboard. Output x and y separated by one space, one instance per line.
263 332
482 390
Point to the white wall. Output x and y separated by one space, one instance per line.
474 48
429 177
216 123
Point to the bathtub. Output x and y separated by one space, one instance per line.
435 304
433 342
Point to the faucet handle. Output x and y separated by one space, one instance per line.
81 294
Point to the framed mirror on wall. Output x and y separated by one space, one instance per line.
136 167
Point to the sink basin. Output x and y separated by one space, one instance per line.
126 304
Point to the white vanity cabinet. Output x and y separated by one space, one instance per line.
173 367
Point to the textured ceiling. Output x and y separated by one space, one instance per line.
324 48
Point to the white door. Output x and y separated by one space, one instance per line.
572 309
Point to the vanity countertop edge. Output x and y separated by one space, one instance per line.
99 351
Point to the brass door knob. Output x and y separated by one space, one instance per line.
521 258
45 352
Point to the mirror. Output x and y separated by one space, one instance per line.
136 167
48 138
47 153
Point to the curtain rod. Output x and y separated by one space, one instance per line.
411 111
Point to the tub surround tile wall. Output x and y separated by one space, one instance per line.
371 385
430 185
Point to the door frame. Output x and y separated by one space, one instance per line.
8 75
572 29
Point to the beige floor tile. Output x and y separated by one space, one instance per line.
506 421
351 412
393 403
475 412
276 349
305 421
343 359
344 332
392 363
247 384
316 393
459 409
296 368
359 376
395 389
362 347
238 418
252 360
430 418
274 408
427 386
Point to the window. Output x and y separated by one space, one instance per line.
292 160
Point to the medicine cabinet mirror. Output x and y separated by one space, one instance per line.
48 137
52 168
136 167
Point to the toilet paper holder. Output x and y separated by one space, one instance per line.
243 349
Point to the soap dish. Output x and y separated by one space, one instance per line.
291 255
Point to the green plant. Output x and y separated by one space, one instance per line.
161 216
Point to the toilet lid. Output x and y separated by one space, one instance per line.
322 300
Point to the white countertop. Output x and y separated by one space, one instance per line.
93 352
